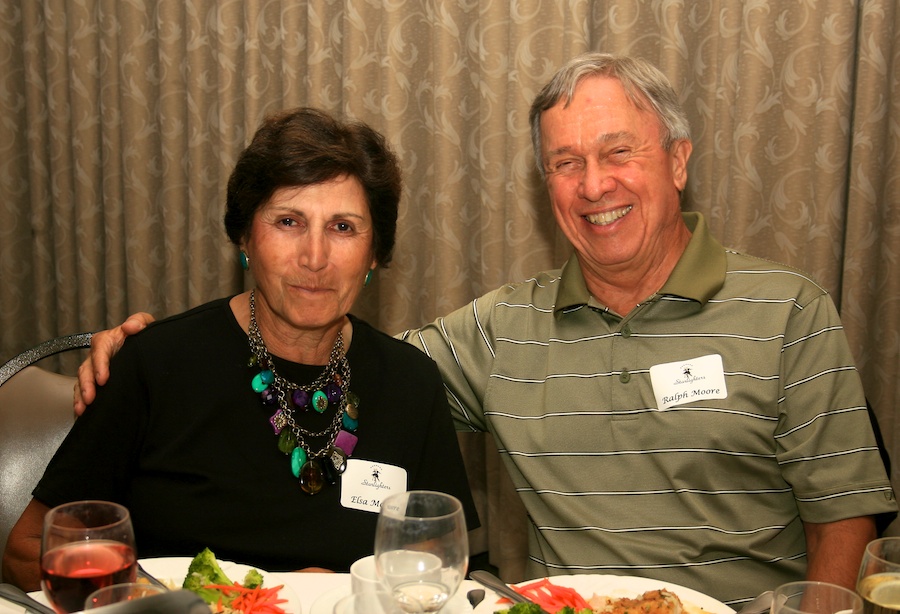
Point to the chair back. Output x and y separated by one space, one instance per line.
47 348
35 416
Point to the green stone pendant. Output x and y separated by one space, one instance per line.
262 380
320 401
287 441
349 423
298 459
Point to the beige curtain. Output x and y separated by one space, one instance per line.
120 120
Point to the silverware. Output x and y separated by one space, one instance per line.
16 595
475 596
500 587
142 573
758 605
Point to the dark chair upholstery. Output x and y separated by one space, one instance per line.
882 521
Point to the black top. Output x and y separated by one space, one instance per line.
180 438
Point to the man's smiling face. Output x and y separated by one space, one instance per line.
613 188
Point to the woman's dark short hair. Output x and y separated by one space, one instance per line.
304 146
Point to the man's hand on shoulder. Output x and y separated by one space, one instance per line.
94 371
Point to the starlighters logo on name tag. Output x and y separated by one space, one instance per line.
365 484
686 381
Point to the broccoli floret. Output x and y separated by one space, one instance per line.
531 608
205 570
253 579
524 608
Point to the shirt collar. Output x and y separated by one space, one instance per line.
697 276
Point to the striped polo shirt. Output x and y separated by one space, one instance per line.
684 441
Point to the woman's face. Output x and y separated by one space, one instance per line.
310 248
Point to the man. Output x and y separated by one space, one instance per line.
665 407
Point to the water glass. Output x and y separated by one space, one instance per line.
879 577
421 549
808 597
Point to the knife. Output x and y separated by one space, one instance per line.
500 587
759 605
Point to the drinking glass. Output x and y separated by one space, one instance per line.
879 577
421 549
85 545
808 597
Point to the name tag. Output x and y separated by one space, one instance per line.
365 484
685 381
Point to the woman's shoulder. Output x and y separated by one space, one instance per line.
377 344
400 376
209 318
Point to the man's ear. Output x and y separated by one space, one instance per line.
679 155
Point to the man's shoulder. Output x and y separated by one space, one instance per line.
748 273
512 304
539 290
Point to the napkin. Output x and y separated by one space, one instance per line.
7 607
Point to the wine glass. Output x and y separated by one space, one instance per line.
879 576
421 549
85 546
810 597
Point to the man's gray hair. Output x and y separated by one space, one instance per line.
645 85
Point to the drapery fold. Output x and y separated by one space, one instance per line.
120 121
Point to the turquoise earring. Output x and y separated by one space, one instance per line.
245 260
368 278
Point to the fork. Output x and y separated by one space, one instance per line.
142 573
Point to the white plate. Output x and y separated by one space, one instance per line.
616 587
172 570
327 600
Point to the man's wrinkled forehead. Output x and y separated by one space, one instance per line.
634 96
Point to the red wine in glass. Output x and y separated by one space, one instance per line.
73 571
86 545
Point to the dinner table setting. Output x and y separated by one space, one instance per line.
319 593
419 564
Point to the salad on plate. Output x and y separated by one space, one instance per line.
605 594
224 595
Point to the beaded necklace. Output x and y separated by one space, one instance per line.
331 388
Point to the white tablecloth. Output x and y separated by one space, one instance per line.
324 588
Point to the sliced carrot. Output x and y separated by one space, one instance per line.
551 597
257 600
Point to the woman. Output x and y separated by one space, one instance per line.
267 426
